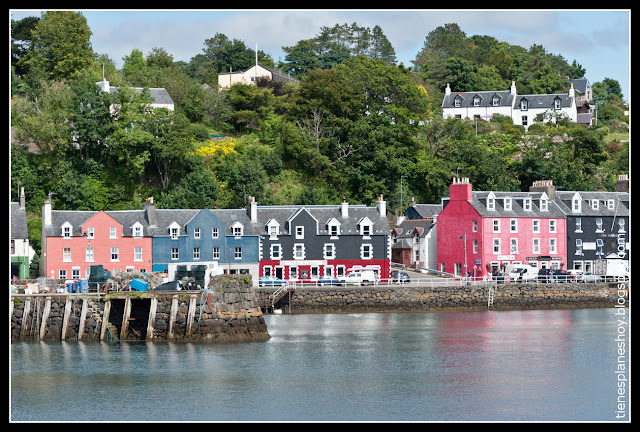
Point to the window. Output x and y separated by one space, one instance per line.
621 225
298 251
610 204
237 231
536 245
329 251
273 231
475 246
299 232
366 230
576 204
196 253
114 254
276 251
66 254
595 204
238 253
558 103
526 204
66 230
174 254
544 205
578 246
507 204
599 225
113 232
457 102
196 233
536 226
552 225
91 234
514 246
475 226
578 224
553 246
513 225
496 246
525 120
216 253
496 225
62 274
293 272
476 101
137 254
214 233
491 203
495 101
366 251
88 255
524 105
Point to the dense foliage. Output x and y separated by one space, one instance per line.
357 125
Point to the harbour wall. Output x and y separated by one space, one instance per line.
229 311
383 298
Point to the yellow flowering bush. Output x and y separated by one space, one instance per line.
219 148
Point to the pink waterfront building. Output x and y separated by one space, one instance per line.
480 232
73 241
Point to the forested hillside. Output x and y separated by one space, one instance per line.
357 125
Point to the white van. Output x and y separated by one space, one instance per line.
358 277
523 273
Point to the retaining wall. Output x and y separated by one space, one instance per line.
384 298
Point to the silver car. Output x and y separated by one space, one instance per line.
589 277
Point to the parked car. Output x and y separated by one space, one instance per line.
359 277
399 277
554 275
328 280
271 281
590 277
523 273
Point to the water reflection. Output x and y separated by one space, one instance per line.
520 365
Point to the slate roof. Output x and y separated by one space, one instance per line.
18 222
580 85
486 99
563 200
544 101
422 211
159 95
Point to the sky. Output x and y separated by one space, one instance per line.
598 39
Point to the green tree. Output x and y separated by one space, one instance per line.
60 45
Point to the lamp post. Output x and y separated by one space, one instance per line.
464 237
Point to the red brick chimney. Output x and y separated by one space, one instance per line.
460 189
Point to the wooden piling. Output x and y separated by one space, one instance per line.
45 317
25 318
152 318
83 317
125 318
172 317
191 314
105 319
65 318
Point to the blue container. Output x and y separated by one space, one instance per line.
83 286
70 285
76 286
139 285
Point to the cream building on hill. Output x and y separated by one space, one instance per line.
249 76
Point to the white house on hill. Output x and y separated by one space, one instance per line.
249 76
521 108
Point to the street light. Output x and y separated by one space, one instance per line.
465 254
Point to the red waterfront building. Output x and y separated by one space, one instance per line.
73 241
480 232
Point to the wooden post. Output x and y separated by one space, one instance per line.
191 314
172 318
25 317
45 316
125 318
83 316
105 319
65 319
152 318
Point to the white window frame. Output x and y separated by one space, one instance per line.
216 253
329 251
299 232
553 226
553 245
88 255
535 245
299 252
175 253
113 232
366 251
215 233
496 246
196 253
66 254
507 204
137 253
513 225
137 230
237 253
526 204
275 251
513 246
196 233
114 254
496 225
535 225
66 230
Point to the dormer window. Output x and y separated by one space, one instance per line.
366 227
558 103
526 204
66 230
136 230
576 203
544 204
237 229
495 101
507 204
524 105
491 201
174 230
457 102
476 101
610 204
333 226
594 204
273 228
